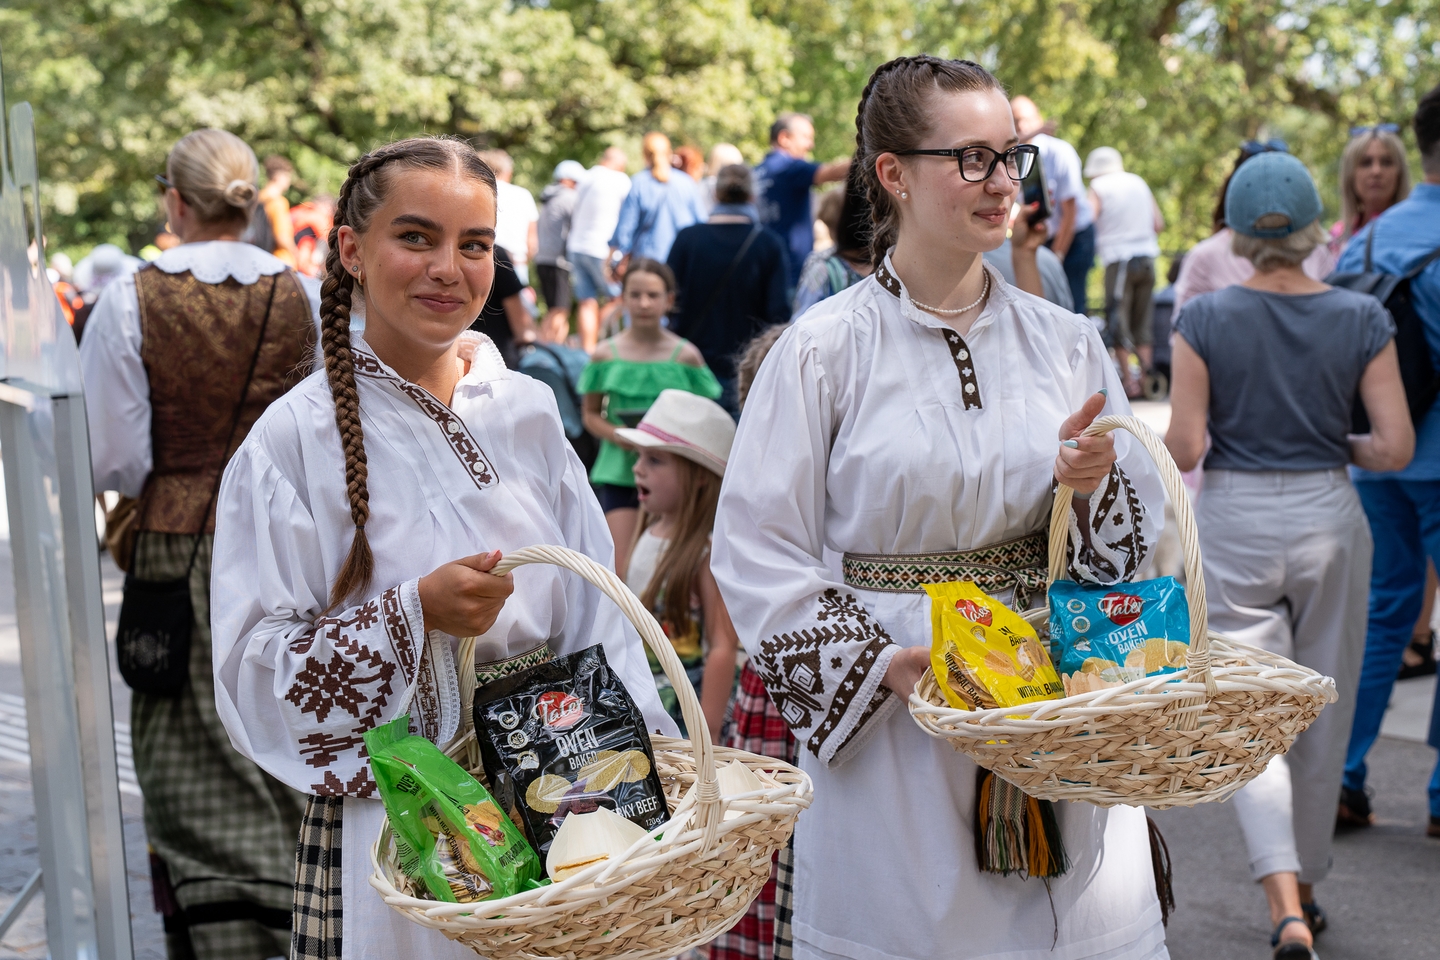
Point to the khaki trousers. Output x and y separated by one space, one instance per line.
1287 568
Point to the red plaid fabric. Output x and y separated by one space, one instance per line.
757 728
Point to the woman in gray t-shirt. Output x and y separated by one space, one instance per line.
1272 368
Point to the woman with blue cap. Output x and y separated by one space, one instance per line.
1271 367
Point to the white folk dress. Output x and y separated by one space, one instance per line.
885 432
296 688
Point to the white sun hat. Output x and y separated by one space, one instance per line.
685 424
1103 160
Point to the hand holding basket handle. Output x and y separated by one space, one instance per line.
1085 458
1160 741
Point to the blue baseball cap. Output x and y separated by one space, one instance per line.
1271 183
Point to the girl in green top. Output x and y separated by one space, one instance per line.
625 375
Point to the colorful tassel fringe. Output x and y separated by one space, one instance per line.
1015 833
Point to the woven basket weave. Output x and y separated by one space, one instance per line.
1165 741
665 895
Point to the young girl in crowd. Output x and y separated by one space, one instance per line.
683 442
342 516
625 375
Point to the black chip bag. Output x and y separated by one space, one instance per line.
563 737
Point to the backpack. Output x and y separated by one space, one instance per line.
1417 366
559 368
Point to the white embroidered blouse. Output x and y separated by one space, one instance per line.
297 687
886 432
117 389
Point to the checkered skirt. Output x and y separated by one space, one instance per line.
757 727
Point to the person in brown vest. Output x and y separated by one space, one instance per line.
179 361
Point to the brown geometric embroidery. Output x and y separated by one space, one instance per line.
996 567
364 619
969 386
790 664
325 748
359 786
321 687
477 465
1128 516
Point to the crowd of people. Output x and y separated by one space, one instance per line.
783 378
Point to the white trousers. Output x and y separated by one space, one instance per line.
1287 568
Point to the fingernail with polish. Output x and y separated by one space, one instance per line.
1104 391
1072 444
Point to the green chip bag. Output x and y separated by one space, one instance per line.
451 838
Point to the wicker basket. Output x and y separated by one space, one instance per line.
1165 741
665 896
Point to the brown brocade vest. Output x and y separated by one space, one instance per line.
196 340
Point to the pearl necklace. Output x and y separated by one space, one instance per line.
984 292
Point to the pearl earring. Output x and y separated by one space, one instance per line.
904 195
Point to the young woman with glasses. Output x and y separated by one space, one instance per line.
914 427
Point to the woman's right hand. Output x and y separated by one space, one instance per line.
905 670
463 598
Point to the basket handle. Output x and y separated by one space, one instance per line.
707 794
1197 661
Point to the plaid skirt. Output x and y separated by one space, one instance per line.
317 910
764 932
221 830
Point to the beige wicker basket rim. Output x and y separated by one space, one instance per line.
1147 740
632 907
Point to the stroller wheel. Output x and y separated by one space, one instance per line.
1154 385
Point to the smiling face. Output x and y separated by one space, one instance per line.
1377 176
426 259
943 210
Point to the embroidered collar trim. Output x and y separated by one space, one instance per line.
477 465
958 348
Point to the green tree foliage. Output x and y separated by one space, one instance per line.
1174 85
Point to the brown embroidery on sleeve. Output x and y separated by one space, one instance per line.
802 671
1113 560
361 785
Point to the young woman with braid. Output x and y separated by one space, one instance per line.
359 522
914 426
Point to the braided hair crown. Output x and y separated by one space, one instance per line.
364 190
894 115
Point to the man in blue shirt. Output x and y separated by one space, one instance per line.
1404 506
783 181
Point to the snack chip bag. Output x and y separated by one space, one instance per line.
452 839
1108 636
985 654
564 737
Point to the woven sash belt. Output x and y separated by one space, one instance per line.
1021 563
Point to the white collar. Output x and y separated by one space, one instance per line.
211 261
486 363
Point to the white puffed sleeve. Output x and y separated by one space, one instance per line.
117 391
297 690
821 655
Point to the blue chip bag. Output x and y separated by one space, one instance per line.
1107 636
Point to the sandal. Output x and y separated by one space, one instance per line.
1294 950
1424 648
1354 809
1315 917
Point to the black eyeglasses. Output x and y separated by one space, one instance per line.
1274 145
978 163
1374 128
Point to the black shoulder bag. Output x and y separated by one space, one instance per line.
157 617
1417 366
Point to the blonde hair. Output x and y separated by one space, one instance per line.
214 172
656 148
1272 253
677 571
1351 210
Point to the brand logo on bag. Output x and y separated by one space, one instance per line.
1123 608
971 610
558 709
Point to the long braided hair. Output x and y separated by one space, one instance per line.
894 115
363 192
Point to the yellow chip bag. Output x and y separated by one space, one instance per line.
984 654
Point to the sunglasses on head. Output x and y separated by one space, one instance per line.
1374 128
1274 145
